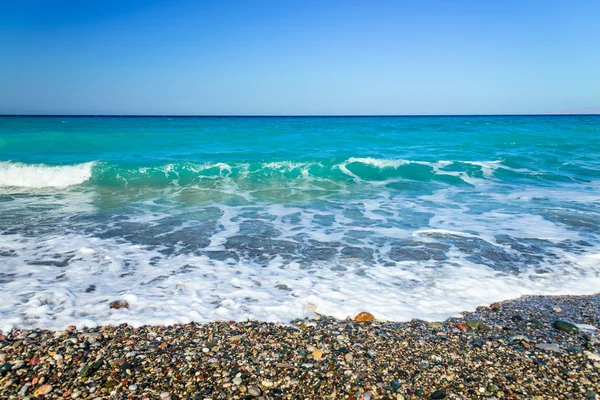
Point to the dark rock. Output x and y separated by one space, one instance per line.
438 394
98 364
590 394
86 371
4 368
574 349
126 366
536 323
565 326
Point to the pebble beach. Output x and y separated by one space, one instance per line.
537 347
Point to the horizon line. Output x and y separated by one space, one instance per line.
294 115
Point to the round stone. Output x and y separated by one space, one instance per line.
254 391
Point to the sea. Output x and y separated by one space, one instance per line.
273 218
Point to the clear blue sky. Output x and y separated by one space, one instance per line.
299 57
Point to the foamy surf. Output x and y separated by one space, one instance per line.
75 278
36 176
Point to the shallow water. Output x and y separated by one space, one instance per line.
229 218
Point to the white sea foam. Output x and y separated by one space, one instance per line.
378 162
13 174
186 287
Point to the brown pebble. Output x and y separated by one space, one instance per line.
364 317
117 304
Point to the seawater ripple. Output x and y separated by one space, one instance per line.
211 219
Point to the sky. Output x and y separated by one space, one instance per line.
299 57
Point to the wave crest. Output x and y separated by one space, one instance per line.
15 174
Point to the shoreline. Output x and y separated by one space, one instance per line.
511 350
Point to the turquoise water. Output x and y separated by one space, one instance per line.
230 218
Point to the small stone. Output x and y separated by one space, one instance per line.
517 319
574 349
75 394
86 371
126 367
477 325
317 354
311 307
349 358
519 338
436 325
438 394
536 323
163 395
364 317
191 388
419 393
58 359
565 326
549 347
462 326
118 304
254 391
237 380
5 367
496 306
592 356
43 390
24 390
557 309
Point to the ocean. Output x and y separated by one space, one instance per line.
230 218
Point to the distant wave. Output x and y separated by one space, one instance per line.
14 174
357 169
